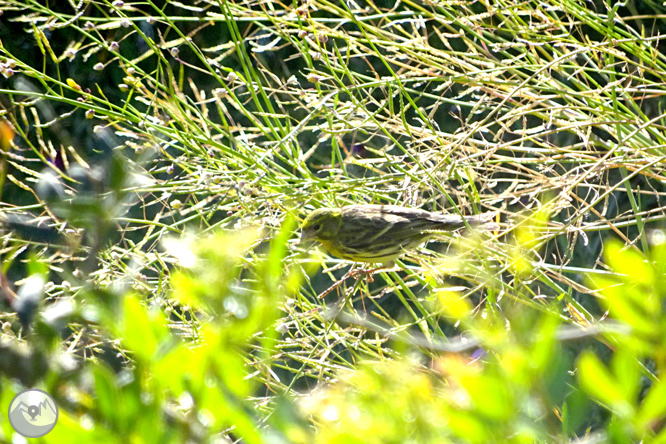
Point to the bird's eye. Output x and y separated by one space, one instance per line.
316 227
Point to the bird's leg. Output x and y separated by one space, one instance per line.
356 273
370 272
336 284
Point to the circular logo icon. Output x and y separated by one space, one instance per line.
33 413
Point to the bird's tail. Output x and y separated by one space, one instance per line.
484 221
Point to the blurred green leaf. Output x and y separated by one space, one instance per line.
627 370
221 348
273 265
71 429
596 380
37 266
141 330
210 267
470 427
624 260
622 299
108 399
546 347
652 412
490 395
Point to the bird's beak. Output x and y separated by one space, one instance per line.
305 236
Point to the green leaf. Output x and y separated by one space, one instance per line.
490 396
70 429
596 380
469 427
108 397
140 330
627 371
653 409
546 344
274 265
624 260
620 299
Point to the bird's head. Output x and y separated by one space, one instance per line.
321 225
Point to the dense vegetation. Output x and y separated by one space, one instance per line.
156 161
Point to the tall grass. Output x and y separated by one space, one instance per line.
138 125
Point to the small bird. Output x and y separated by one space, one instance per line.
381 233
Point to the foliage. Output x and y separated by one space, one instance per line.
156 159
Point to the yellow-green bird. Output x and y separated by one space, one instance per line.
381 233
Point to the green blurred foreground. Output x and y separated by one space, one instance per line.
516 380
